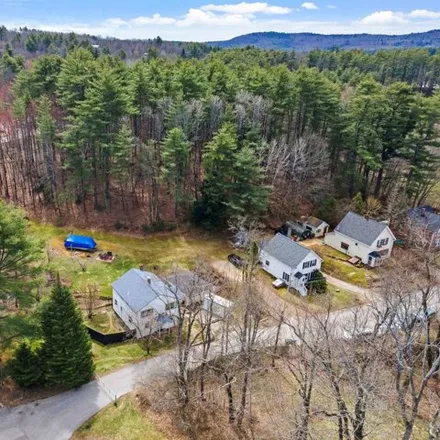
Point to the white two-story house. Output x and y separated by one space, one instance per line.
289 261
369 240
146 303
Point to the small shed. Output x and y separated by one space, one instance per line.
219 306
80 242
306 226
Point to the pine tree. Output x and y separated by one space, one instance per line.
26 367
20 255
233 178
175 155
67 349
357 204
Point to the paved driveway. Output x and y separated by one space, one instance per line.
57 417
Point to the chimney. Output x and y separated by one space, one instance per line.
141 267
149 280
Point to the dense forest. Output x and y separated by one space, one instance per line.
242 131
32 43
306 41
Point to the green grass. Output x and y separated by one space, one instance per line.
105 321
119 423
111 357
338 298
157 252
320 302
343 270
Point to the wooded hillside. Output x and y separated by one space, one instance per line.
307 41
242 131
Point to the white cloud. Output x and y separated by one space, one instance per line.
309 5
155 19
245 8
207 24
384 18
197 17
423 13
115 22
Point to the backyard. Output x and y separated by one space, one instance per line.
336 264
157 252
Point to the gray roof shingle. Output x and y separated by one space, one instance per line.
136 290
425 216
360 228
286 250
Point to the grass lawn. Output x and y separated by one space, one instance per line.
343 270
119 423
338 298
157 252
111 357
105 321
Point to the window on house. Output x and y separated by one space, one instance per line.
116 302
313 263
306 264
267 262
308 228
344 246
146 313
383 242
170 306
286 276
129 319
318 231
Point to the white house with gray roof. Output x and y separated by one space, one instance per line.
369 240
145 302
287 260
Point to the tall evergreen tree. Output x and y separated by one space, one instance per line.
175 157
233 178
67 349
20 254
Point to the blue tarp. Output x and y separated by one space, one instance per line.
80 242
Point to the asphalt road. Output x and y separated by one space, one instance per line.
57 417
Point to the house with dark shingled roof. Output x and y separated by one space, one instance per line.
287 260
369 240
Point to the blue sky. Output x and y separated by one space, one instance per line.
199 20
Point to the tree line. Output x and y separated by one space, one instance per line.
31 43
241 131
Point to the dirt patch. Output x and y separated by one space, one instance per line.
12 395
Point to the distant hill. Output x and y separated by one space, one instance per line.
308 41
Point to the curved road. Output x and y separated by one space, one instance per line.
57 417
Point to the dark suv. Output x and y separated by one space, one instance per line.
236 260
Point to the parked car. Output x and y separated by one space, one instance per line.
236 260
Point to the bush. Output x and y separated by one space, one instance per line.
119 226
26 368
317 283
159 226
